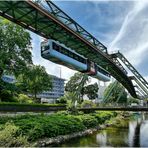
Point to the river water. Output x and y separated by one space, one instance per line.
135 134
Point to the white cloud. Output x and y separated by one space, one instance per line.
146 78
132 39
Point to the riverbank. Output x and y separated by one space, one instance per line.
112 122
129 131
45 130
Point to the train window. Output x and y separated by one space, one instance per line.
71 54
81 59
65 52
84 61
62 50
45 47
76 57
55 46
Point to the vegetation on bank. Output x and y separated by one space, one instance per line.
29 128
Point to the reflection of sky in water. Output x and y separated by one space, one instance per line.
131 132
144 135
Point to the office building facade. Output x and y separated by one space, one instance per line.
56 92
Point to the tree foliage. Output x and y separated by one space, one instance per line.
35 80
91 91
76 84
15 54
72 99
15 46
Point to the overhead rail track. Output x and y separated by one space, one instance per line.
52 22
142 83
139 86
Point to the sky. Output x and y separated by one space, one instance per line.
119 25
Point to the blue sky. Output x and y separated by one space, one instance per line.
119 25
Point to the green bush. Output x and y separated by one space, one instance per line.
22 98
61 123
62 113
46 126
61 100
9 137
7 96
88 120
102 116
88 104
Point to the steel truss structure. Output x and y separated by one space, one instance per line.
49 21
142 84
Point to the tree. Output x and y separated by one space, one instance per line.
117 93
76 84
72 99
15 46
35 80
91 91
15 53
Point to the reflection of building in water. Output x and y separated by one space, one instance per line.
135 133
101 139
132 126
136 138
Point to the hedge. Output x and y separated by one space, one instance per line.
41 126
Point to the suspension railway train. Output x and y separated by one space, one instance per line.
60 54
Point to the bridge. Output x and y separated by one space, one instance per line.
13 108
47 20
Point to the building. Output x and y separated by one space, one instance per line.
47 96
56 92
8 78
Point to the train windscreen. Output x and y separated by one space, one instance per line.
44 47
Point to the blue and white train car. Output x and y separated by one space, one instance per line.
60 54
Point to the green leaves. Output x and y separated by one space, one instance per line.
91 91
35 80
35 127
76 83
15 47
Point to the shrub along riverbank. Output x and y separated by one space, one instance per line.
22 130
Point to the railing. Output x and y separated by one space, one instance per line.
69 22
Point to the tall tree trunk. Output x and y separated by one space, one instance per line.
1 72
35 95
37 100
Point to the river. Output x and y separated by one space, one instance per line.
135 134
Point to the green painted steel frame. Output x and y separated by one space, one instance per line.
107 98
143 92
32 16
141 82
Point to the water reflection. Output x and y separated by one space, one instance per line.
136 138
133 135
